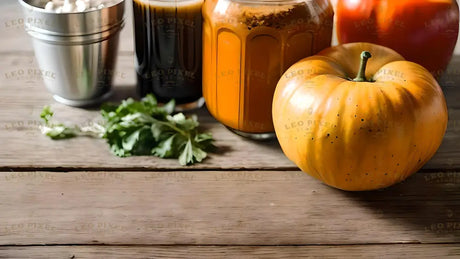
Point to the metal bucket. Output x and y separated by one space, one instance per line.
77 50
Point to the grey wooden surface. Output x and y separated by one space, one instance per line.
73 199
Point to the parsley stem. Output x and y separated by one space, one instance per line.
172 126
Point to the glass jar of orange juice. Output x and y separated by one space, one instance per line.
247 46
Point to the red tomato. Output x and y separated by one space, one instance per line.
423 31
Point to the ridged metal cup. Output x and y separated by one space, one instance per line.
77 51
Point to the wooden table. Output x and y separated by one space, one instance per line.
73 199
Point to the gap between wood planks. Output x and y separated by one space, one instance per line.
29 53
185 169
232 245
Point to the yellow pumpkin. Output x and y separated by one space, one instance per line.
359 131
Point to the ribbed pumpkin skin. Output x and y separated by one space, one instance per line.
359 136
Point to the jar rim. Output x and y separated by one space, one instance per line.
170 2
270 1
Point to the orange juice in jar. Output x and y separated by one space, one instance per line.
247 46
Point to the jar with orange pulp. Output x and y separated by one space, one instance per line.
247 46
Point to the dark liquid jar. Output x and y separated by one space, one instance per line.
168 50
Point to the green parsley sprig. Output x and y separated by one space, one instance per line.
136 128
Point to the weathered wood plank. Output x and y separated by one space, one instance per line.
22 96
26 148
14 37
19 71
450 83
289 252
222 208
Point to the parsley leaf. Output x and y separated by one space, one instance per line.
55 130
136 128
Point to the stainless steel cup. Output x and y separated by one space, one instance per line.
76 51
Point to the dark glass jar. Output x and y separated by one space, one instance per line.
168 44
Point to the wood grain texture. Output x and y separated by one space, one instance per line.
15 39
23 95
243 202
241 252
19 122
222 208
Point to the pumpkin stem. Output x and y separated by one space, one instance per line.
361 77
